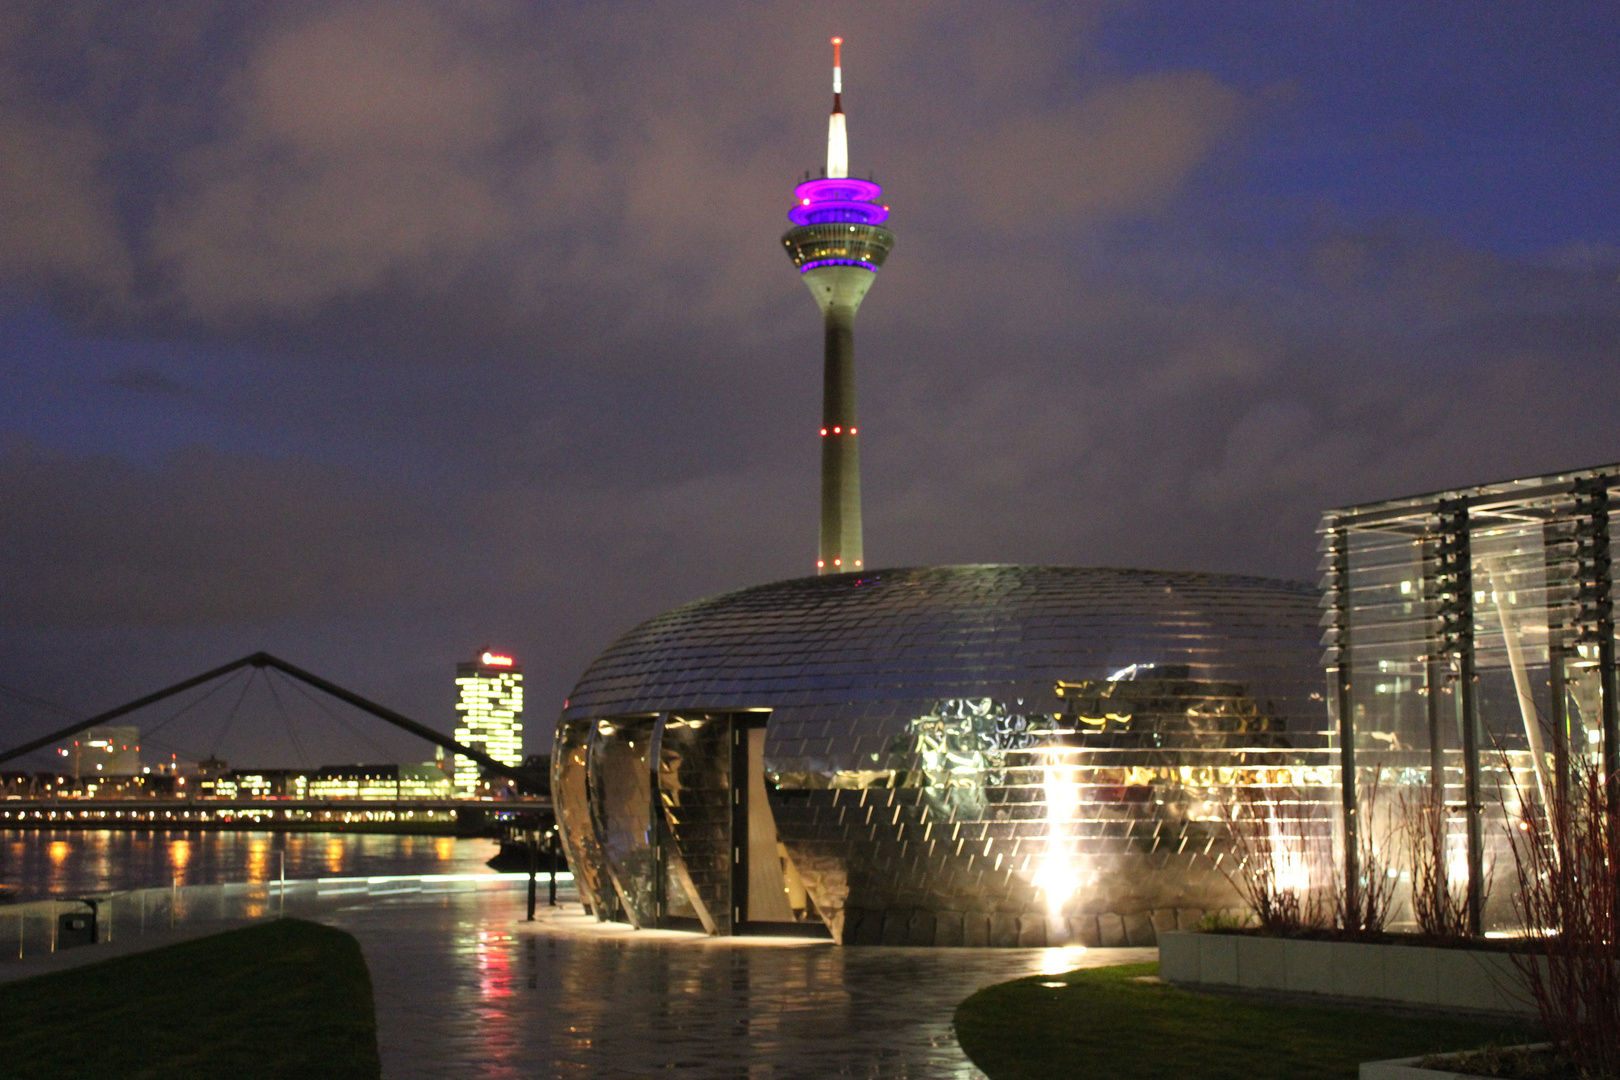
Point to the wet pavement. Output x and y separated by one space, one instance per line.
466 988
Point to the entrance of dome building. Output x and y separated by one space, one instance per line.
768 896
681 817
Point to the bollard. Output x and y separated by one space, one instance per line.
534 858
551 846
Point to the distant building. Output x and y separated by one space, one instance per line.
105 751
256 784
425 781
490 715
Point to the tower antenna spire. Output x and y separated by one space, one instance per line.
837 135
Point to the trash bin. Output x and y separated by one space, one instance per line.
76 928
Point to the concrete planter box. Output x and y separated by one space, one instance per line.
1438 978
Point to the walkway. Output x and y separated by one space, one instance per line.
465 988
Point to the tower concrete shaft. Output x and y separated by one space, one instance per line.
838 249
841 290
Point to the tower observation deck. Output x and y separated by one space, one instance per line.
838 247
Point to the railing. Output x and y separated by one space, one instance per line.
29 929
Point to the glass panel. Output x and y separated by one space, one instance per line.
622 813
570 787
1510 655
1390 639
694 786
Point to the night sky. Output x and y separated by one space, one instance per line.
374 333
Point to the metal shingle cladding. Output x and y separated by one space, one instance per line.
870 645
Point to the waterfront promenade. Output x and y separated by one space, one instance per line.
466 988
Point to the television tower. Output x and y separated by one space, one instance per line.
838 247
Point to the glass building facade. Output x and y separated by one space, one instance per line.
976 755
1470 651
489 717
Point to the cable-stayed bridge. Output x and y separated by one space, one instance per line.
249 800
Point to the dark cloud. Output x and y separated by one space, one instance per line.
203 537
477 328
144 380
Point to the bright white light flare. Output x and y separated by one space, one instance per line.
1057 876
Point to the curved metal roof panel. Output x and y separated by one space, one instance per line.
929 633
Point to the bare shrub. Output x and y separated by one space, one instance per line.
1276 849
1439 905
1568 897
1366 909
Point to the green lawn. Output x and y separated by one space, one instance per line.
281 999
1100 1023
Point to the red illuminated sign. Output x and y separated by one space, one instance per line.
496 660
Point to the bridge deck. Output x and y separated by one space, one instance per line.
140 807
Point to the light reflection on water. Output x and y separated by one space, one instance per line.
39 863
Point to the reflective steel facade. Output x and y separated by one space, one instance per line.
976 755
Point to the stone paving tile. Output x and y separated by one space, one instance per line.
465 988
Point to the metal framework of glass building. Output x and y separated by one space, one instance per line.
974 755
1470 649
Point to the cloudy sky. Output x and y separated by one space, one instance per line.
374 333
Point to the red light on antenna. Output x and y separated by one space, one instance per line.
838 41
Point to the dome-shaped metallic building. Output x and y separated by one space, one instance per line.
951 755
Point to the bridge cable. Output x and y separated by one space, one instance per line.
344 724
286 721
176 748
213 751
40 703
181 712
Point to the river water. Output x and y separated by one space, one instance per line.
37 864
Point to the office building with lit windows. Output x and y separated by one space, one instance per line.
256 784
489 716
390 782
